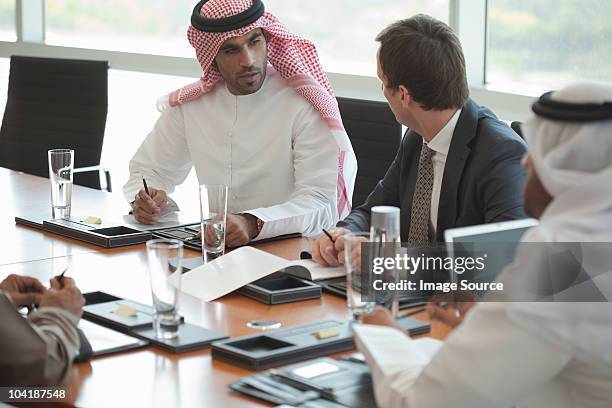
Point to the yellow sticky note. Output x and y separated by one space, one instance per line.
92 220
327 333
125 311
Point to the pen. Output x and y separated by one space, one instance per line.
144 183
329 236
60 278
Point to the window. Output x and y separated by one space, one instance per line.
546 44
7 20
138 26
131 118
344 30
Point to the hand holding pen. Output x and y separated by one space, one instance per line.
149 204
60 278
328 249
63 294
331 238
28 291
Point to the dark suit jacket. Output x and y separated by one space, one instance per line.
482 183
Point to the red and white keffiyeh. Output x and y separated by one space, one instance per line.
295 59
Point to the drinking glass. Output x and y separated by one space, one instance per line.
363 291
164 258
61 167
213 212
358 279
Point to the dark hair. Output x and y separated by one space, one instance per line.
425 56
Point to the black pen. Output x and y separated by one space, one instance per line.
144 183
329 236
60 278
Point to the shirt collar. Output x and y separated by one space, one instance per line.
442 140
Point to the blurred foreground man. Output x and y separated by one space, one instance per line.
38 350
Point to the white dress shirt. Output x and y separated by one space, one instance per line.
271 148
440 144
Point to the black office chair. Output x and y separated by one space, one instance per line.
516 126
375 136
55 103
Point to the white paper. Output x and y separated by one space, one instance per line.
241 267
170 220
230 272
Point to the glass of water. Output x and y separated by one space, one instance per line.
61 167
358 278
164 258
213 211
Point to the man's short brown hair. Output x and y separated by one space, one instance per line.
425 56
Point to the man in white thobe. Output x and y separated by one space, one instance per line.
262 120
525 354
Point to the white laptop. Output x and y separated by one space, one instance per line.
498 239
507 231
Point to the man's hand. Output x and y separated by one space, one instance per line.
240 229
148 208
452 312
23 290
64 295
380 316
327 253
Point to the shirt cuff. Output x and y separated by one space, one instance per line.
390 350
73 319
264 231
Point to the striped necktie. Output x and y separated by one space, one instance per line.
421 201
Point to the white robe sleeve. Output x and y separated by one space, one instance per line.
163 159
486 362
312 204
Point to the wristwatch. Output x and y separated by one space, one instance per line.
259 224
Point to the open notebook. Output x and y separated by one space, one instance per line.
243 266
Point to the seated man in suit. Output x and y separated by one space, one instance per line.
38 350
517 353
457 165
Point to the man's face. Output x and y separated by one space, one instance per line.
242 62
536 198
393 96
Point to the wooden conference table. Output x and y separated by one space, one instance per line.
148 376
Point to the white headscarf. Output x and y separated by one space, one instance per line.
574 163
